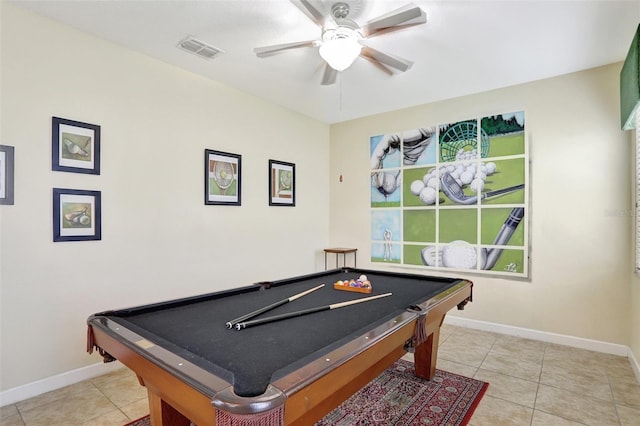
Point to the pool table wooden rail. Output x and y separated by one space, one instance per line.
180 392
168 395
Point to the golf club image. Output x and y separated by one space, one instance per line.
463 255
454 191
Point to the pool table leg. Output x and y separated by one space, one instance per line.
164 414
426 354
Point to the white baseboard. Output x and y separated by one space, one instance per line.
20 393
560 339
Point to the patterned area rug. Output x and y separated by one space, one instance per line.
397 397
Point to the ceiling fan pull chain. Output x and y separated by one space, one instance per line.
340 94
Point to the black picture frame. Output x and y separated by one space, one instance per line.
75 146
222 178
282 183
77 215
7 164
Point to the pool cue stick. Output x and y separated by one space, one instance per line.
251 323
231 323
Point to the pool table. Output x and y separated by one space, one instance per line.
293 371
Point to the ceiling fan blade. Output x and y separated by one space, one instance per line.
386 59
377 63
408 15
310 11
264 51
391 29
329 76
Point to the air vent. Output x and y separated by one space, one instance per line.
199 48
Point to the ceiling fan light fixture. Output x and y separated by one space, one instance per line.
340 47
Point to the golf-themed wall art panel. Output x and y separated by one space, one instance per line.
452 196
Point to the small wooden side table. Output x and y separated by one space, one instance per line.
338 251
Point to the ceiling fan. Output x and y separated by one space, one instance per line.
341 41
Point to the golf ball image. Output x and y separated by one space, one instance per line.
466 178
459 254
428 195
477 185
389 183
491 168
468 172
417 186
428 176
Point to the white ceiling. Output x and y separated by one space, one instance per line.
465 47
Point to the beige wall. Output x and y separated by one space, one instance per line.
635 279
635 318
579 276
159 240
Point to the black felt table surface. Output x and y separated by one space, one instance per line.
195 328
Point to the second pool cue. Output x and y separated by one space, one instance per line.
231 323
251 323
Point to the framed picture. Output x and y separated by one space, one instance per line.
76 215
222 178
282 183
6 174
75 147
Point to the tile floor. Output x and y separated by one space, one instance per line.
531 383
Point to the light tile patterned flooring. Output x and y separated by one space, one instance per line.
530 383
